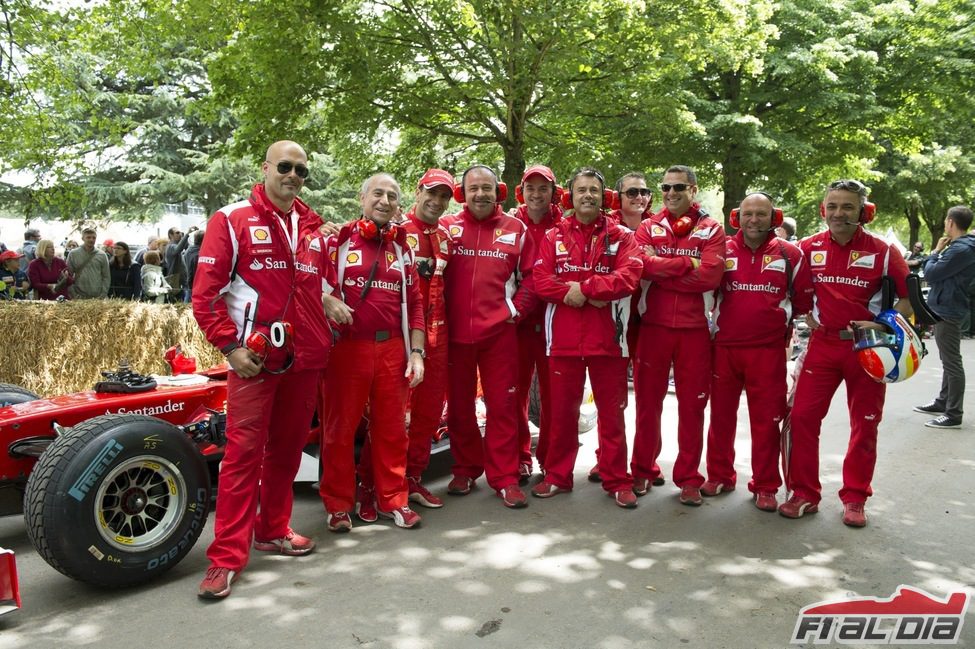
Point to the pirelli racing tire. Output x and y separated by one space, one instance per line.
117 500
11 394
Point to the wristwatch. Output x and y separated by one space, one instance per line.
229 349
419 350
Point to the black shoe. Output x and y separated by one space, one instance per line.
944 421
932 408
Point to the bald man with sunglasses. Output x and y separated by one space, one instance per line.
257 297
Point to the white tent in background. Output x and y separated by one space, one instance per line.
891 238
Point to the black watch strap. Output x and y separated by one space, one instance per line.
419 350
227 350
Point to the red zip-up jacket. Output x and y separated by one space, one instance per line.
603 258
847 279
393 301
488 276
678 293
258 266
430 254
537 233
754 305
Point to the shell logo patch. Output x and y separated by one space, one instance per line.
259 234
455 231
657 231
731 264
560 248
412 241
353 259
862 259
818 258
770 262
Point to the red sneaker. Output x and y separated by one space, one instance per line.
690 496
641 486
765 500
594 475
291 544
339 522
547 490
421 495
216 584
797 507
513 496
712 488
402 517
854 515
365 504
625 498
524 473
460 486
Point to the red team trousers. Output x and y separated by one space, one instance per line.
761 372
607 376
531 355
268 418
497 455
690 352
360 372
426 411
829 361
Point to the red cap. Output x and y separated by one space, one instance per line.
108 242
9 254
435 178
538 170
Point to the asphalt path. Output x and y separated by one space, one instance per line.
574 571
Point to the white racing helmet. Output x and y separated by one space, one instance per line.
892 355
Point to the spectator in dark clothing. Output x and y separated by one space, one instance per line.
915 258
14 280
949 272
150 245
29 249
126 275
173 258
190 258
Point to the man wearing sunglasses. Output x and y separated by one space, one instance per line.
539 212
684 261
260 271
848 266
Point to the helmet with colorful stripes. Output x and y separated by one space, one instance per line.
891 355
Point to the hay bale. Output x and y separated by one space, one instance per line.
53 348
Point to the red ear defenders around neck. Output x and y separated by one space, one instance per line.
735 220
368 229
610 199
557 195
281 335
867 212
683 225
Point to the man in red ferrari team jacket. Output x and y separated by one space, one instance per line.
587 271
426 400
257 296
684 250
376 302
490 253
848 265
766 283
540 212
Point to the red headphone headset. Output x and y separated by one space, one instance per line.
557 193
500 188
777 214
368 229
610 198
867 211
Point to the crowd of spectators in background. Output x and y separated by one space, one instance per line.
160 272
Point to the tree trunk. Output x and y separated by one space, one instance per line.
914 222
734 183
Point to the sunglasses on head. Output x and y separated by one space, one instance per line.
678 187
633 192
285 168
848 185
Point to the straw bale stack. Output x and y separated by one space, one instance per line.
53 348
